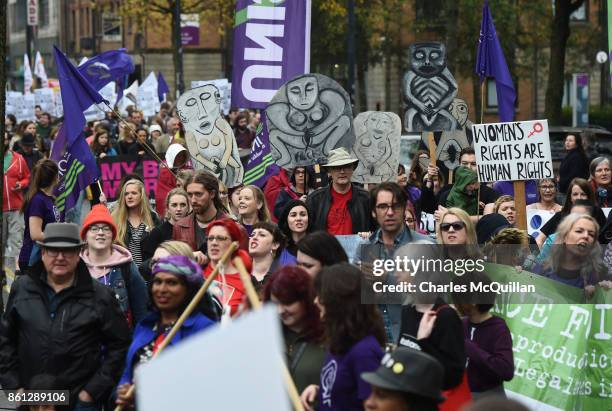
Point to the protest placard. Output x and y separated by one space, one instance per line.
216 361
115 167
351 244
44 98
27 108
536 219
518 150
13 103
147 100
57 100
560 343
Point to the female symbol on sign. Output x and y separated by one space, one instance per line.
537 128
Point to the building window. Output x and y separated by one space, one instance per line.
19 15
429 9
582 14
491 94
43 13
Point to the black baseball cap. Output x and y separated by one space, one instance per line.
410 371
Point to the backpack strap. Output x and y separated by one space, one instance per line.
125 274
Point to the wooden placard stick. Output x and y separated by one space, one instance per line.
450 176
294 395
432 148
317 169
520 204
190 308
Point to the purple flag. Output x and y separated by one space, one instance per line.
261 164
162 87
76 163
490 62
271 46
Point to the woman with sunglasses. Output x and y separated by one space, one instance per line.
456 231
176 280
112 265
547 193
229 288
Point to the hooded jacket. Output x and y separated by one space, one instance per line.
458 196
488 346
17 172
81 338
122 276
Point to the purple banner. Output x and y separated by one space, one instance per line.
190 30
260 165
271 46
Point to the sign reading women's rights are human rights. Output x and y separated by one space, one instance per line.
518 150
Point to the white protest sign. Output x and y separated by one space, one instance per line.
351 244
518 150
44 99
428 223
215 369
225 88
59 106
148 100
27 109
13 104
98 111
536 219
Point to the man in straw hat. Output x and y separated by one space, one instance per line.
407 380
340 208
57 321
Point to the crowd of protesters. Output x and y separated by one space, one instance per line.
92 301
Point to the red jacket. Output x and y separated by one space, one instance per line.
274 185
17 172
165 183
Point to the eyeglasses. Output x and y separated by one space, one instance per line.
219 238
456 226
97 228
547 188
299 172
66 252
383 208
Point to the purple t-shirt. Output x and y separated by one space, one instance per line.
341 385
41 206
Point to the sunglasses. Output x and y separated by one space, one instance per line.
456 226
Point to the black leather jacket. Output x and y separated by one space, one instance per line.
319 203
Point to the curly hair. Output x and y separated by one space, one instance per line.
346 320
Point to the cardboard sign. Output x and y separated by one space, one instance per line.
115 167
214 368
43 97
13 103
27 108
518 150
536 219
148 100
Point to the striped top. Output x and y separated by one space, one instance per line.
135 245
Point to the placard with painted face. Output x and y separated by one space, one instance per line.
429 88
377 146
210 139
309 116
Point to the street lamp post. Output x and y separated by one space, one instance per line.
178 53
351 49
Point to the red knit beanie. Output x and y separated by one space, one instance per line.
98 214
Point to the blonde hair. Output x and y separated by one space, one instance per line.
500 201
177 248
120 214
471 241
593 262
177 191
263 214
225 201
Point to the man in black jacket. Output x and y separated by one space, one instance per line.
341 208
57 322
